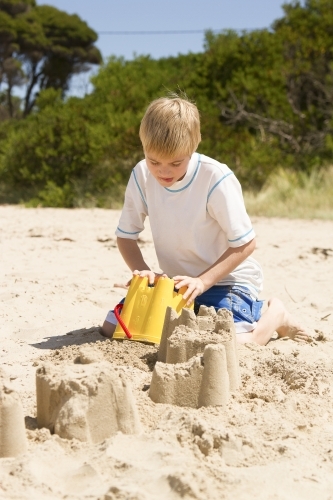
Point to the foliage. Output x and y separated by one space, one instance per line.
265 99
53 147
280 82
42 47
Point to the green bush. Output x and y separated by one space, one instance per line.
51 148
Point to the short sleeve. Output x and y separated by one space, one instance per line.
135 208
225 204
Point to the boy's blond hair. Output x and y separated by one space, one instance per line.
170 126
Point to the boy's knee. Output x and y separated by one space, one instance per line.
275 303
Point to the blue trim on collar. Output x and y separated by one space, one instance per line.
190 182
140 191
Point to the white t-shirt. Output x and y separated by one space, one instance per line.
194 221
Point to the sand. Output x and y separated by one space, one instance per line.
272 440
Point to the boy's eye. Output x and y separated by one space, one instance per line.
176 164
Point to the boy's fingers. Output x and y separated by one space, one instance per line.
182 284
194 286
145 274
179 281
191 298
141 273
189 292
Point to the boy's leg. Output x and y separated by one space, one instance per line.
110 323
275 319
107 330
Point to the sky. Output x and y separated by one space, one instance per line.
165 15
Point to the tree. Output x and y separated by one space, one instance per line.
307 34
43 45
10 68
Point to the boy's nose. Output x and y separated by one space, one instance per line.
164 171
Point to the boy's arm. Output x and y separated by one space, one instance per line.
222 267
131 254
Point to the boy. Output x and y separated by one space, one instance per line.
201 231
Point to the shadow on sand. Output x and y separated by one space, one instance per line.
75 337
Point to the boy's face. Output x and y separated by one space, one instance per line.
167 171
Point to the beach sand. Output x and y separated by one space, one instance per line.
274 438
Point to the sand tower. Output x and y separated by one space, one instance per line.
13 439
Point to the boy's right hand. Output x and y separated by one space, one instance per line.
152 277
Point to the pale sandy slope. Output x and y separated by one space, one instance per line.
58 268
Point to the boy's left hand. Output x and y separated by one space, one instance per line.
195 287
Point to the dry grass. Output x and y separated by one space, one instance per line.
294 195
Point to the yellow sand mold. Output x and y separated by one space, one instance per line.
145 306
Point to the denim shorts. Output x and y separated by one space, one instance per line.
246 310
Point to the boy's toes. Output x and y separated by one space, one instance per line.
302 336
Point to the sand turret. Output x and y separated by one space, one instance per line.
214 388
13 439
177 384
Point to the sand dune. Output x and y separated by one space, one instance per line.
273 440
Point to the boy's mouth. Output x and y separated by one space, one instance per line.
168 179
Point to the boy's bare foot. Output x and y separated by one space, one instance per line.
295 332
275 319
289 326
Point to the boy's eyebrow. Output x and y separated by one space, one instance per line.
157 161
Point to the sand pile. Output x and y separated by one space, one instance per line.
273 438
89 402
265 427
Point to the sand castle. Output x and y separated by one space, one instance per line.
197 359
91 400
13 439
88 401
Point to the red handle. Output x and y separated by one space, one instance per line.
117 310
